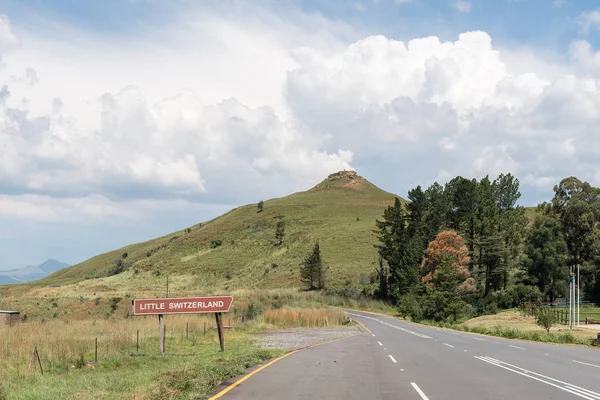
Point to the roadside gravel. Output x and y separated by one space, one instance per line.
297 338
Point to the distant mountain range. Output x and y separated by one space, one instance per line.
31 272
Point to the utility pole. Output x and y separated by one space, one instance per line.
578 296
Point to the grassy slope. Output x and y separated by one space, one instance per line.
340 212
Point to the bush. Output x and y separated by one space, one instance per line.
408 306
215 243
546 319
446 306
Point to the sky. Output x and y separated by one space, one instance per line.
124 120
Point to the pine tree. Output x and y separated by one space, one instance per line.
312 273
402 252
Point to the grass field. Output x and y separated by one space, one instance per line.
190 369
516 321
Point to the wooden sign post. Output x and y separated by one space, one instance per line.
184 305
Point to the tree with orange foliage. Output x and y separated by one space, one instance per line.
448 252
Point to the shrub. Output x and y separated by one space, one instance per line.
546 319
408 306
215 243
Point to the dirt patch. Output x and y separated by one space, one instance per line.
297 338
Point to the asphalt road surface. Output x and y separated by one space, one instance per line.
399 360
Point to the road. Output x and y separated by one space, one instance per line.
400 360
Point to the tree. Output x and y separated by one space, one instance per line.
546 319
279 232
547 256
260 206
448 249
435 218
312 272
462 196
402 252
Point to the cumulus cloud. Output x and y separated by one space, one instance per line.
457 105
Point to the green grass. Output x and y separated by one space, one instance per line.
340 212
186 372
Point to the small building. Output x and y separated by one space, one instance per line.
9 317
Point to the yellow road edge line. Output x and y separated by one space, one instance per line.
246 377
361 324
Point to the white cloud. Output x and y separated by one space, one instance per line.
463 6
279 106
588 20
460 106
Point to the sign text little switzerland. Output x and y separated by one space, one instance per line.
182 305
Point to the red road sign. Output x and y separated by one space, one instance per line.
182 305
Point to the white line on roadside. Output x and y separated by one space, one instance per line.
476 338
455 334
401 370
516 347
380 343
389 355
584 363
373 334
421 335
414 385
449 345
567 387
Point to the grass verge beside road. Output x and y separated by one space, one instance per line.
513 325
190 369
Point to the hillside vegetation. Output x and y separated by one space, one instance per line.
238 250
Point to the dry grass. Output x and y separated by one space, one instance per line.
304 318
512 319
61 343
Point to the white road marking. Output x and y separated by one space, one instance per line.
567 387
516 347
476 338
584 363
392 358
373 334
449 345
465 351
401 370
419 391
380 343
454 333
394 326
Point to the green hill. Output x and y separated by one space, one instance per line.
340 212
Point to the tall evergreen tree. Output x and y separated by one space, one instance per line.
547 255
312 272
435 218
401 251
462 196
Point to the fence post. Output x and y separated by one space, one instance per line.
96 351
204 328
186 330
137 342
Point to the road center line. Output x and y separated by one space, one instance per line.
449 345
584 363
389 355
516 347
380 343
414 385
